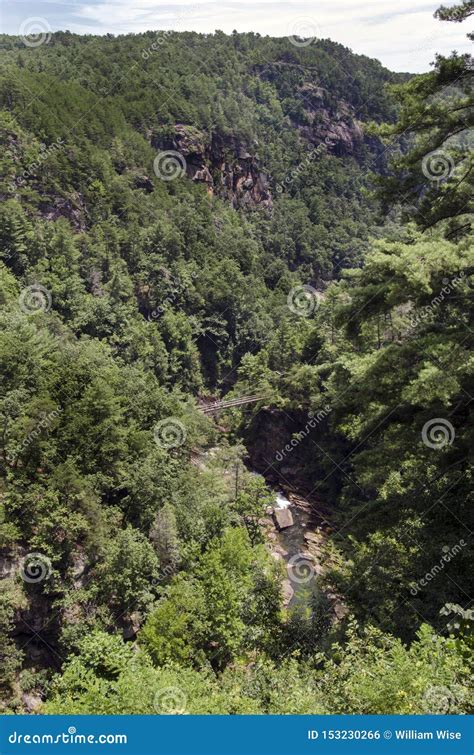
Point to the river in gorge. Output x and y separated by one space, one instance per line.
300 545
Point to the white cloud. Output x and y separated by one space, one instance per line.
401 33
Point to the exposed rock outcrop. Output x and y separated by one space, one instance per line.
322 118
73 209
283 518
221 162
334 125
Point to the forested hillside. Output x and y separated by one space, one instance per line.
185 217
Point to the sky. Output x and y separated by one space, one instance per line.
402 34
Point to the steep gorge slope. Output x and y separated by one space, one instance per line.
130 283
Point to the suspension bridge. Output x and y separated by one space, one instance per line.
218 406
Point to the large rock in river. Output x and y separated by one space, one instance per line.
283 518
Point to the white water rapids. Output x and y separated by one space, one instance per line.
282 501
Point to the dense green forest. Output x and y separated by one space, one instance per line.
186 217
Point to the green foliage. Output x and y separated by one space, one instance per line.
375 673
128 571
432 176
251 503
124 299
371 673
176 629
11 600
457 12
231 607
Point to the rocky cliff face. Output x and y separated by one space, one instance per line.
336 126
73 209
229 170
321 117
222 163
